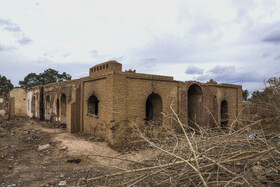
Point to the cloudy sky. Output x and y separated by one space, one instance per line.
230 41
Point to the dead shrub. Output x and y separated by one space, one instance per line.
200 158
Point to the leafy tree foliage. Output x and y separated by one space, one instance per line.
32 79
245 95
271 92
48 76
211 81
274 85
267 103
5 84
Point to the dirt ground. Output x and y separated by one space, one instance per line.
34 153
37 153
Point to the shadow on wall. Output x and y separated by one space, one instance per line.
63 108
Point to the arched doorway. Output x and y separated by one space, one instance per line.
93 105
63 109
153 107
224 114
194 106
48 107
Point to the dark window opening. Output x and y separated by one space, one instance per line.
149 110
224 114
100 67
57 107
63 105
93 105
103 66
97 68
41 105
48 100
153 107
194 106
94 69
107 66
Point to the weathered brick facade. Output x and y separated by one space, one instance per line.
108 96
17 102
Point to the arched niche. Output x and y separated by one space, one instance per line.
153 107
224 114
195 108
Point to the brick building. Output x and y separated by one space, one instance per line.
110 96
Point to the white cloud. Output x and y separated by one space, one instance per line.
161 37
194 70
231 74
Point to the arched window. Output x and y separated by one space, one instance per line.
93 104
153 107
224 114
194 105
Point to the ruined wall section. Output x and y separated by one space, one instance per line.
29 104
18 104
182 102
53 108
210 106
212 97
102 88
51 102
199 118
35 101
120 98
76 110
233 95
216 94
131 91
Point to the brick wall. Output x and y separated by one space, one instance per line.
102 88
19 106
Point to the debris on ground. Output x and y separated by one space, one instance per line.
40 154
62 183
204 158
76 161
44 147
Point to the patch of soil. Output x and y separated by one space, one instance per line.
22 164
